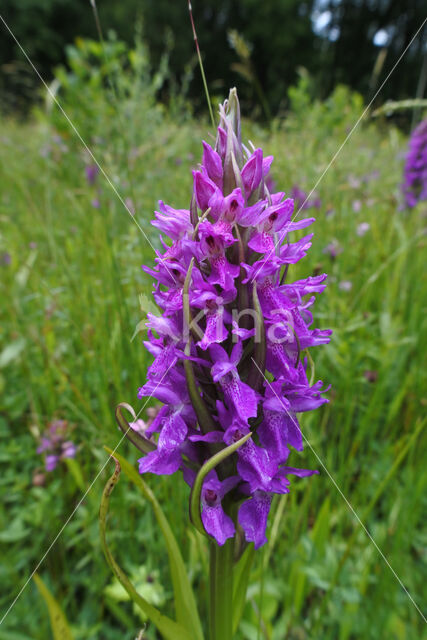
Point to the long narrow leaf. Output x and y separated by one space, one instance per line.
137 440
170 629
58 621
185 603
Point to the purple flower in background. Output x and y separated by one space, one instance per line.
91 171
141 426
345 285
353 181
55 445
230 343
333 249
363 228
302 199
5 258
51 462
356 206
415 172
130 206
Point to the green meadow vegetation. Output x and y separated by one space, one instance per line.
73 297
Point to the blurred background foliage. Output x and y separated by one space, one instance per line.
73 297
355 42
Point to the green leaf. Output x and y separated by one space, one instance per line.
240 583
185 603
12 635
76 471
58 621
320 532
141 443
204 417
170 629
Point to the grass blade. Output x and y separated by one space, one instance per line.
185 603
170 629
58 621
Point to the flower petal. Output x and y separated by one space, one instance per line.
253 516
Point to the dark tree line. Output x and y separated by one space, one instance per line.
355 42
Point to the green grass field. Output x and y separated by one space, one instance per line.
70 286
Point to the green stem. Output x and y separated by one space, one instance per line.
221 590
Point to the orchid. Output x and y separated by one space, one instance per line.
230 346
230 364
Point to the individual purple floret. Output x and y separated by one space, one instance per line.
91 171
55 445
415 172
230 344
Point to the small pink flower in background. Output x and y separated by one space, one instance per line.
345 285
39 478
130 206
357 206
354 182
96 203
371 375
141 426
333 249
54 444
363 228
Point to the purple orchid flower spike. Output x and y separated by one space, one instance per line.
230 341
55 445
415 173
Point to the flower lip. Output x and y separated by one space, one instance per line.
210 497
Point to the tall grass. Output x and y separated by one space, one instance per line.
70 305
